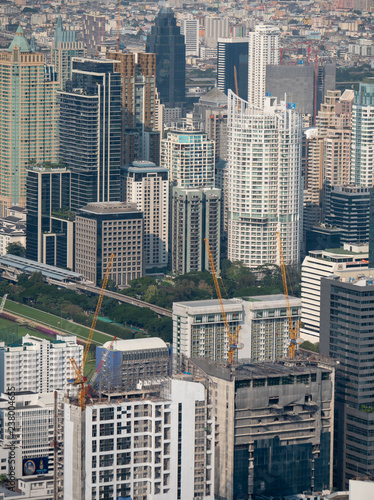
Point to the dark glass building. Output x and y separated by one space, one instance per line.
90 131
166 41
232 52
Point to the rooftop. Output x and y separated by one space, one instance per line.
109 207
137 344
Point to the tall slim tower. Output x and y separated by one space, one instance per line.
263 49
264 170
166 41
190 31
232 53
27 117
64 47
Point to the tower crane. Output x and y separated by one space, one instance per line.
231 337
293 331
79 371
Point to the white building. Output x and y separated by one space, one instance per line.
347 262
264 182
141 445
190 30
148 187
263 49
39 365
189 156
216 27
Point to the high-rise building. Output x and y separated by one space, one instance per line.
347 328
264 171
346 262
263 49
232 55
93 32
195 217
49 225
64 47
28 117
189 157
39 365
190 31
148 186
166 41
141 140
215 28
103 229
274 427
91 131
363 135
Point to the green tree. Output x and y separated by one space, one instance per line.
16 249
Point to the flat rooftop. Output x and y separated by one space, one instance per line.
109 207
198 304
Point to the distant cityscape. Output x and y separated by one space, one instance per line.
187 250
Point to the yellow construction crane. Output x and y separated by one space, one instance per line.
293 331
79 371
233 338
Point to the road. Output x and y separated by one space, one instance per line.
124 298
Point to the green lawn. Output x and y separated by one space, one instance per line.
49 320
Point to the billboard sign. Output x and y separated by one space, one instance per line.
35 466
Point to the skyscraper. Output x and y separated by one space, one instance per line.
216 27
64 47
363 135
190 31
263 49
91 131
264 170
166 41
27 116
93 32
232 53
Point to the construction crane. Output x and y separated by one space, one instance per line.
293 331
231 337
79 371
118 23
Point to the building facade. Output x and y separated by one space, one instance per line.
93 32
232 53
264 182
103 229
190 30
215 28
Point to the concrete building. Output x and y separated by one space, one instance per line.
363 135
215 28
148 186
196 216
93 32
131 445
133 363
263 49
232 53
64 47
13 228
39 365
346 336
346 262
29 97
274 427
264 190
190 30
102 229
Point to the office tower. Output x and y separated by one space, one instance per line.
189 157
198 329
147 186
102 229
346 263
49 225
93 32
147 443
190 30
296 83
274 427
28 117
39 365
133 362
349 210
363 135
141 140
216 28
321 237
312 166
90 127
263 49
195 217
346 336
166 41
232 53
264 170
64 47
